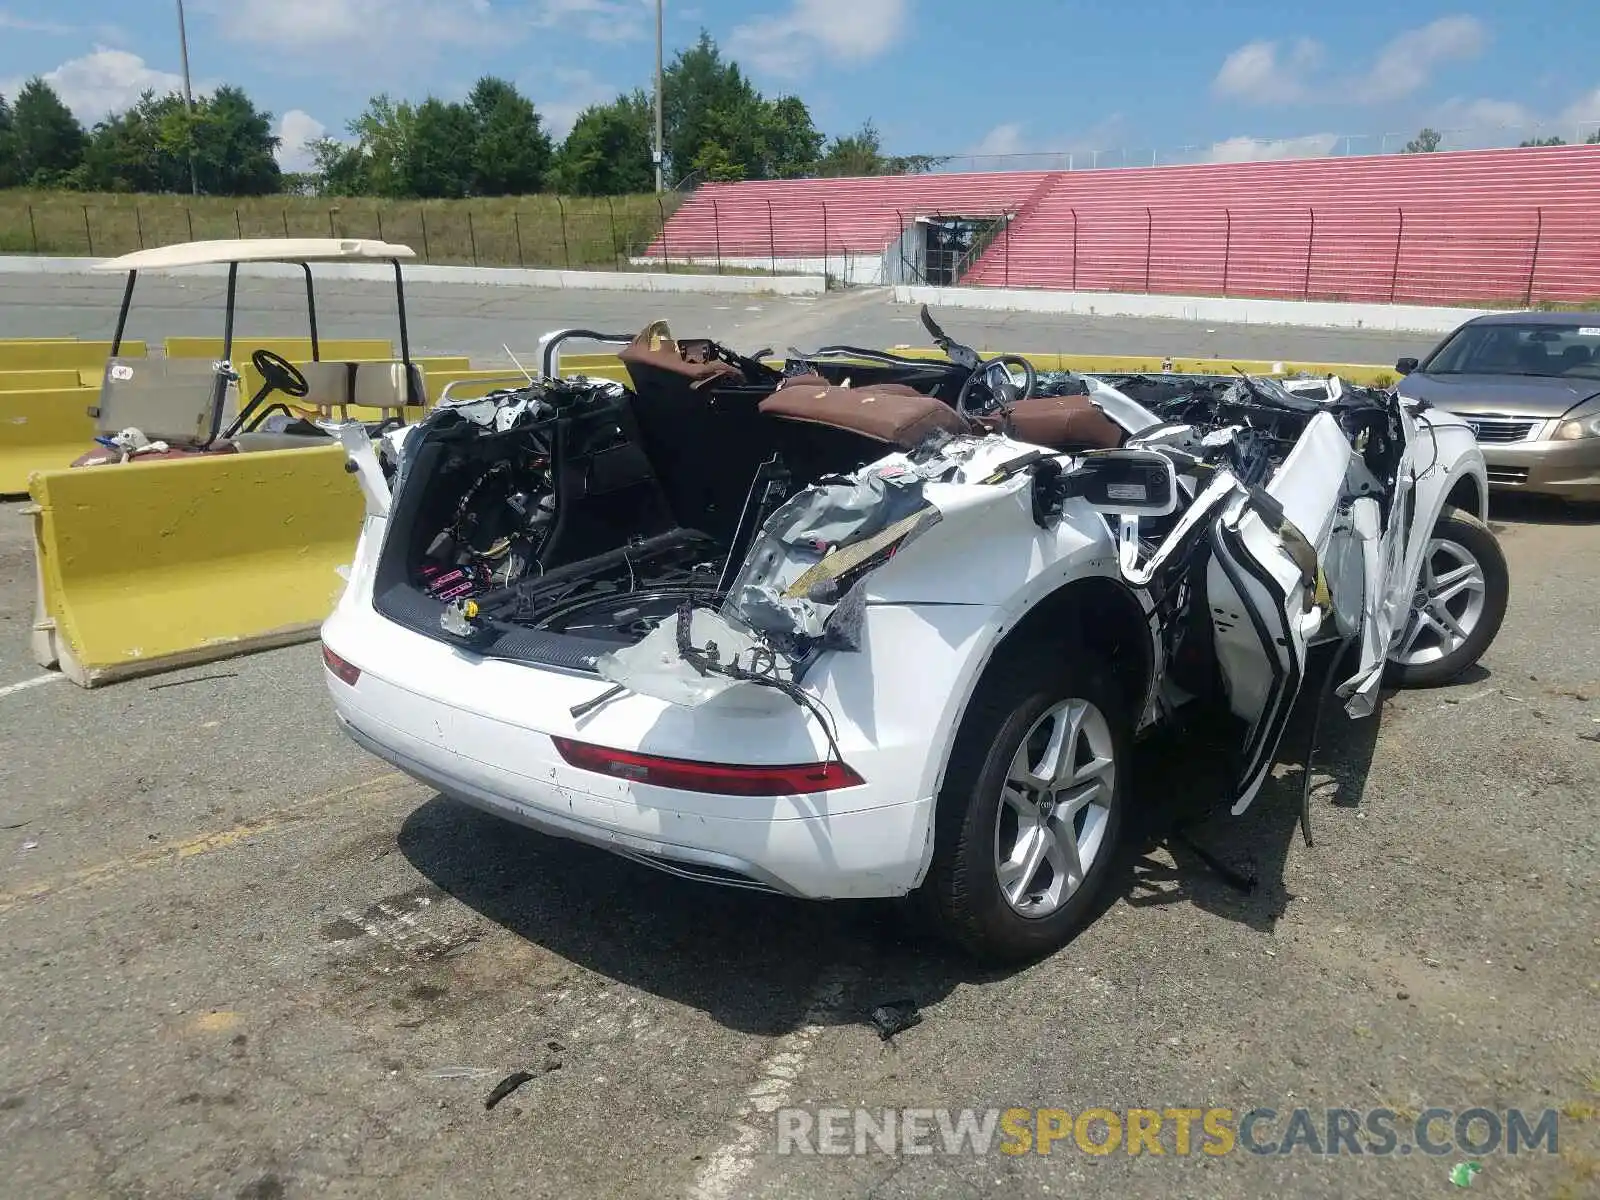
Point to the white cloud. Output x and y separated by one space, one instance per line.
295 128
790 43
1269 72
597 20
371 30
577 89
1014 139
1482 113
1265 72
105 82
30 25
1249 149
1407 63
1583 111
1002 139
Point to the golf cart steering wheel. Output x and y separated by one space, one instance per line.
994 378
280 375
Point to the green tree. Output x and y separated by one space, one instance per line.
1593 139
791 144
1549 141
10 172
719 127
703 100
511 151
140 150
1426 142
861 153
383 137
150 147
438 162
49 140
339 168
608 151
233 145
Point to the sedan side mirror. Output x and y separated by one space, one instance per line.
1406 365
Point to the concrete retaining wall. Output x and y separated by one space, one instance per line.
848 266
1225 311
611 281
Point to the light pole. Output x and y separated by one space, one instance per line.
188 97
658 149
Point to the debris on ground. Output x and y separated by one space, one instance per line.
897 1016
506 1086
1461 1174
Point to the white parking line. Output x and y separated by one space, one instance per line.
30 683
724 1172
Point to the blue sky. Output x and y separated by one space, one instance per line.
1220 78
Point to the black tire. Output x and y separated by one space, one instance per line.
1464 529
961 896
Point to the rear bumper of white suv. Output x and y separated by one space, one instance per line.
472 729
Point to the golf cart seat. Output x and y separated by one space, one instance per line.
182 402
333 388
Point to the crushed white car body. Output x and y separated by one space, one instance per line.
915 670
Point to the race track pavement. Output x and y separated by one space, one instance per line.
479 321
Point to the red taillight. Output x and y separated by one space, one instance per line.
717 778
339 667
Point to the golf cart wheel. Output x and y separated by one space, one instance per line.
1030 813
1458 606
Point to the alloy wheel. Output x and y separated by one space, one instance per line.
1054 808
1448 604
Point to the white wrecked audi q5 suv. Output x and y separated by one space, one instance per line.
868 625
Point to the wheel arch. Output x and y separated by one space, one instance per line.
1469 494
1097 615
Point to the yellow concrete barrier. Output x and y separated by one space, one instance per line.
596 366
295 349
62 356
42 431
41 381
146 567
476 381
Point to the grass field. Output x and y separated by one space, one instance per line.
533 231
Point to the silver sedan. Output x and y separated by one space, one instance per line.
1529 385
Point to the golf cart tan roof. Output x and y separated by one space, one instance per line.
240 250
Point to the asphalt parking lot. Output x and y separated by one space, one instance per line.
244 959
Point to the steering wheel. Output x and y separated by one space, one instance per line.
280 375
994 377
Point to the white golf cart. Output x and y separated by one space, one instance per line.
178 407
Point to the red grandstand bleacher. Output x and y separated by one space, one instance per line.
811 218
1491 226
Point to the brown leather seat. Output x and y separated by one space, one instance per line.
655 348
893 413
1058 423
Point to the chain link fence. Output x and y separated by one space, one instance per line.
543 231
